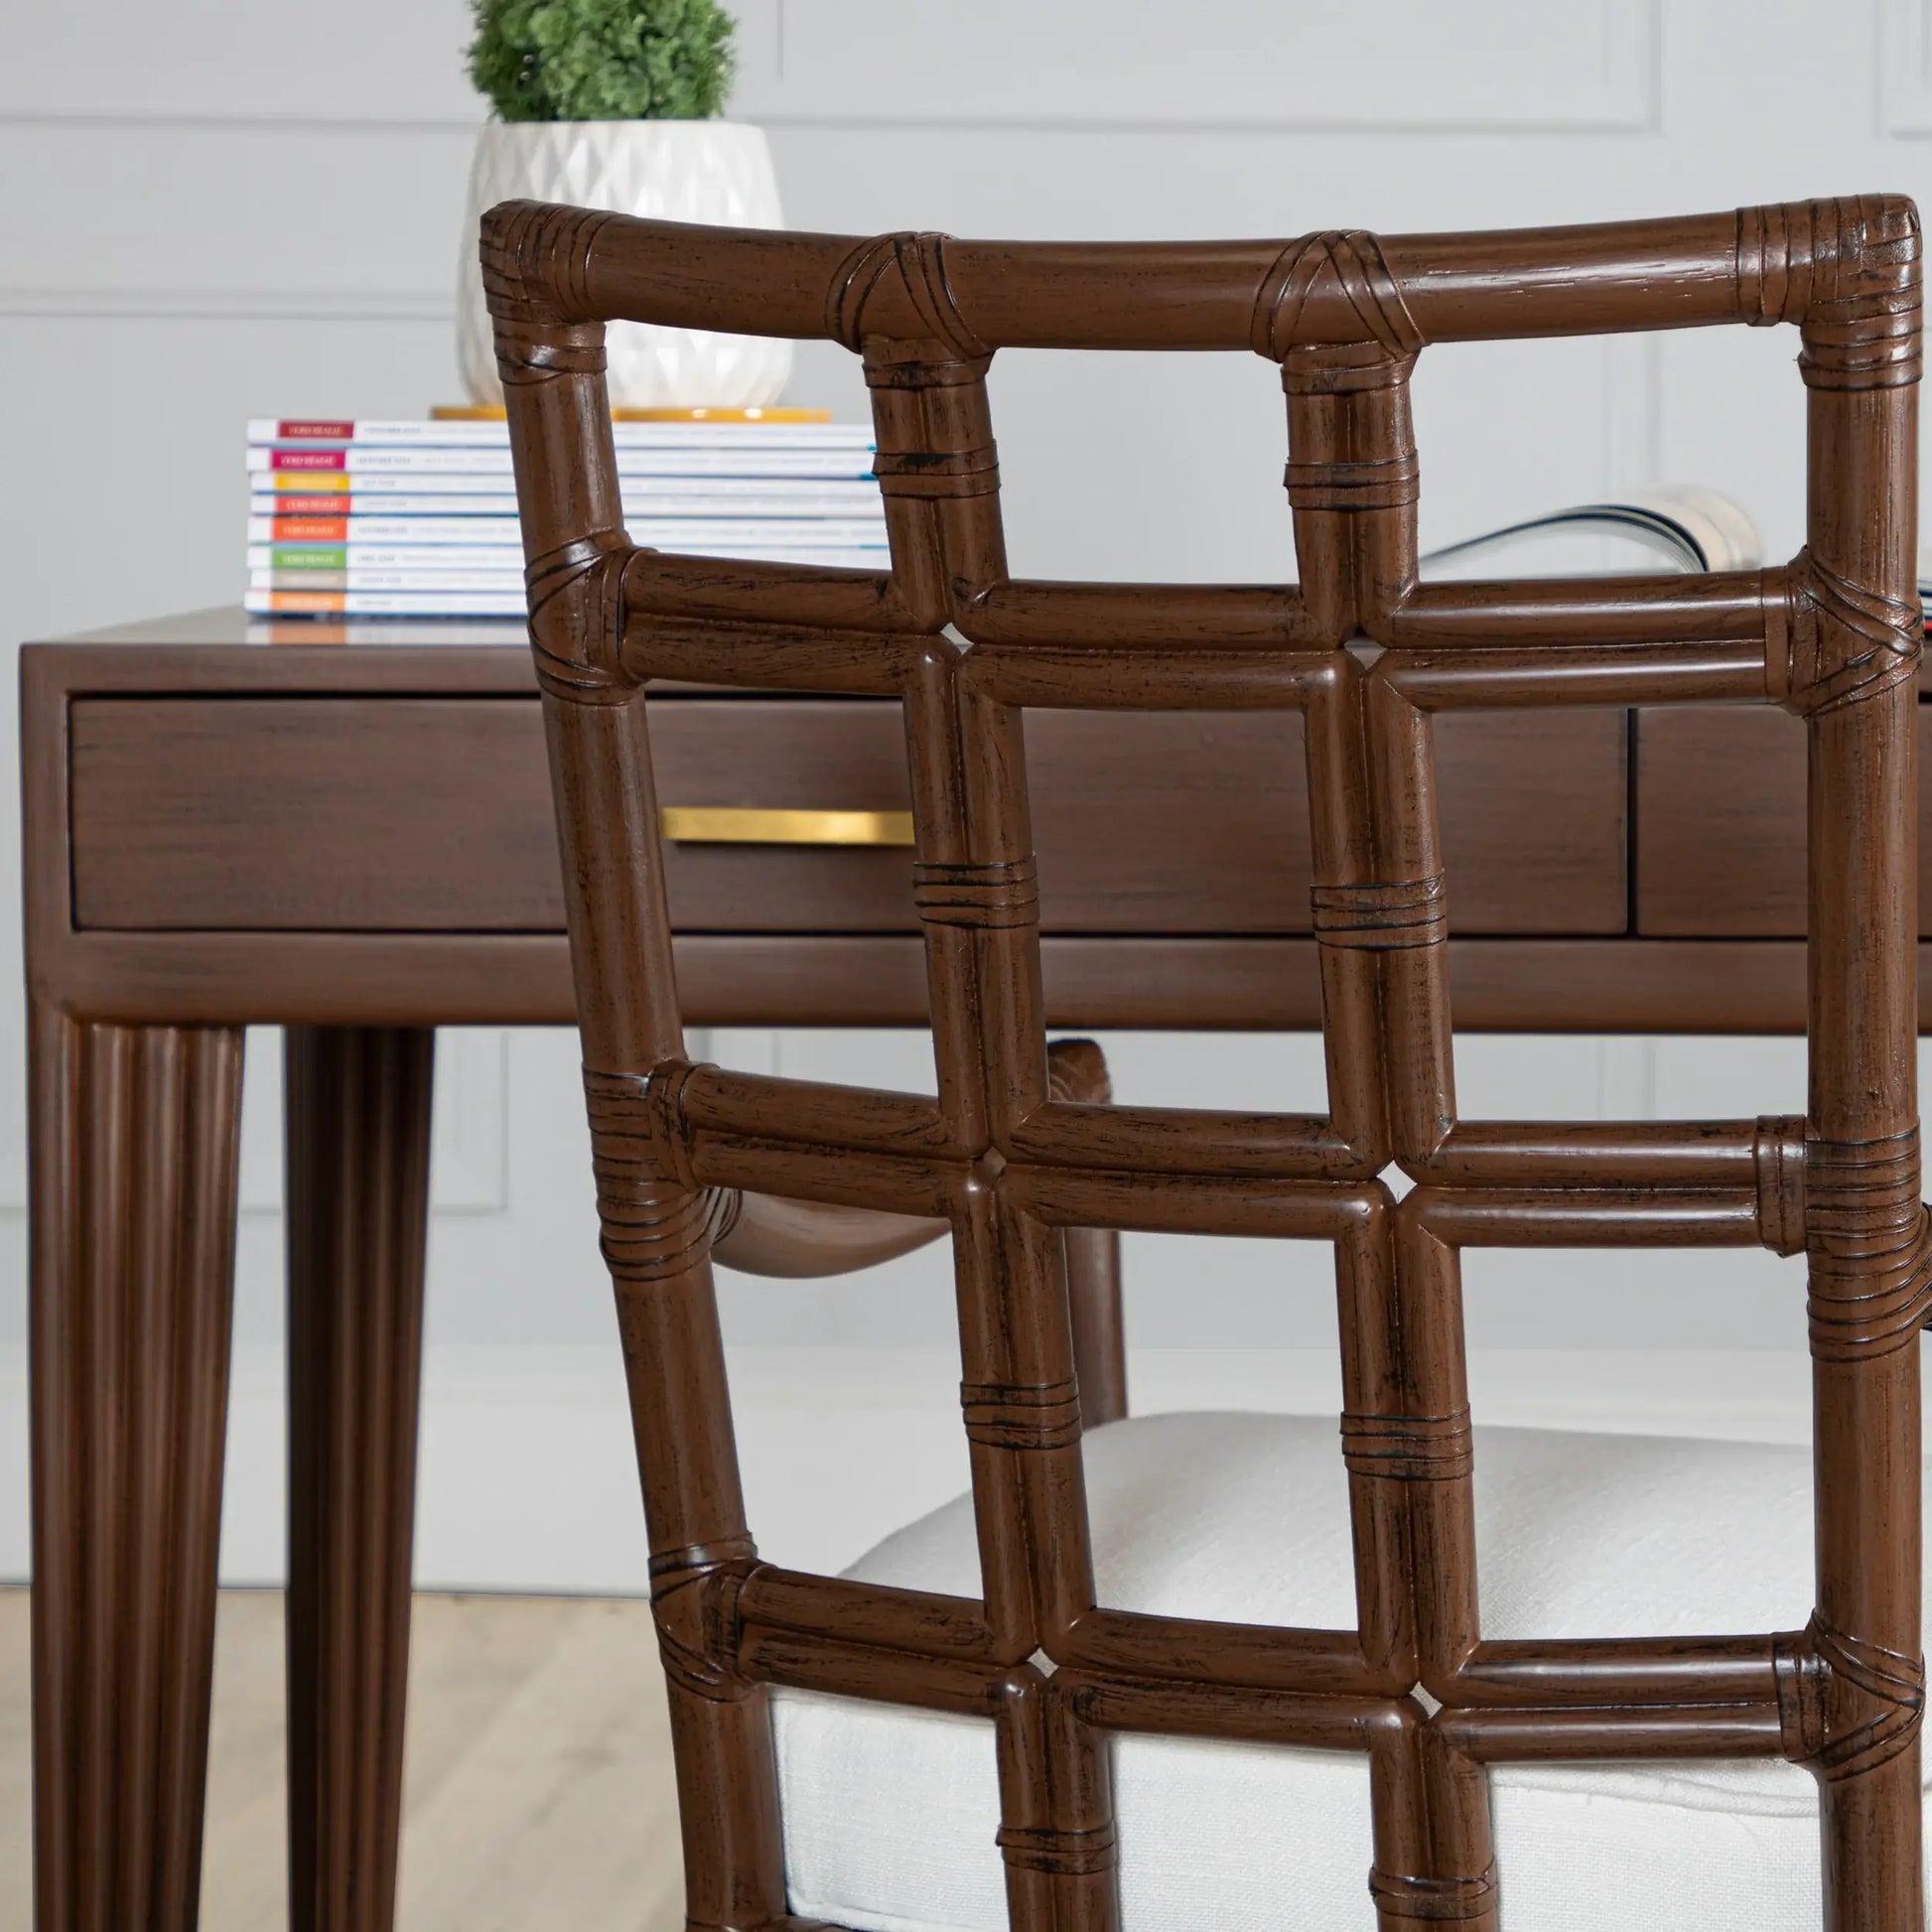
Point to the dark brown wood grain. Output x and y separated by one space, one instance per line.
1015 1162
1720 848
358 1107
224 815
1198 822
133 1156
193 813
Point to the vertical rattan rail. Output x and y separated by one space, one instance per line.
1833 636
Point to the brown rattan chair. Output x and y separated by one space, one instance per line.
1007 1161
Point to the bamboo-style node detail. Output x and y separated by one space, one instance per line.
937 473
1019 1416
1409 1449
638 1118
1845 1707
1379 483
682 1594
534 258
1779 1155
921 366
934 430
1379 916
652 1231
1064 1853
917 262
1861 331
524 246
1451 1901
1345 369
1857 1190
1773 266
1003 895
1870 1241
576 617
1829 642
540 351
657 1222
1848 272
1872 1300
1021 1151
1348 264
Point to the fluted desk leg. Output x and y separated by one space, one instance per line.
358 1111
133 1150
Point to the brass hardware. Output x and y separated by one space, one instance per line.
762 825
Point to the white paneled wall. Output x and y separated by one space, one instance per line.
1135 65
223 209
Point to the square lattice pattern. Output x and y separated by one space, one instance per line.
1367 657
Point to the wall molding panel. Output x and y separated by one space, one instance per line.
404 305
1528 67
1524 68
221 121
353 60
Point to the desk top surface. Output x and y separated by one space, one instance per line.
226 650
228 625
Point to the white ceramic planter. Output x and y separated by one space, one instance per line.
677 171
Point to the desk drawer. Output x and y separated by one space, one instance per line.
1720 823
276 814
434 816
1198 821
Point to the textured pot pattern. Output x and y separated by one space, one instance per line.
678 170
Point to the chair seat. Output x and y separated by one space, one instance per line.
889 1813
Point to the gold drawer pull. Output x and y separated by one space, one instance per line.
761 825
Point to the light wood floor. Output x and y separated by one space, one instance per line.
538 1789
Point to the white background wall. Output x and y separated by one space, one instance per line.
233 208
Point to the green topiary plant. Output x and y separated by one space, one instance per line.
602 59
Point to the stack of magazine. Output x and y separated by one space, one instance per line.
418 518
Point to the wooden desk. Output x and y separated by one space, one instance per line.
212 816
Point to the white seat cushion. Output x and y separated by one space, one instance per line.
889 1813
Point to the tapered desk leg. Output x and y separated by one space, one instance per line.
133 1150
359 1108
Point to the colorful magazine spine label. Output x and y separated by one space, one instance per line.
286 459
494 435
787 495
299 430
498 560
292 508
384 603
504 534
641 500
431 533
831 466
426 581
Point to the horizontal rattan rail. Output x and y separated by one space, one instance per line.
1017 1163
